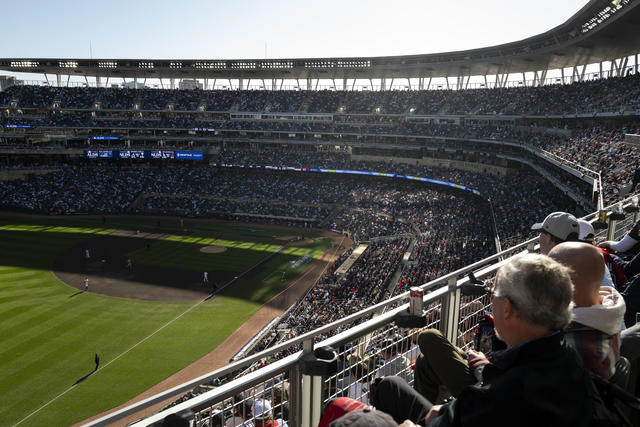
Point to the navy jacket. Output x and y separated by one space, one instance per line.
539 383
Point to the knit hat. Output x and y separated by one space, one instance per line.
338 407
365 418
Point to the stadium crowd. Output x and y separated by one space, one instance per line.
612 94
439 231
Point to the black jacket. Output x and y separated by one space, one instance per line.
538 383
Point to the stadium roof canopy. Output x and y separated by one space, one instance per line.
601 31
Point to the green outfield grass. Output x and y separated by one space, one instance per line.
49 332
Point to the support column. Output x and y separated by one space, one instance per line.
309 83
59 80
429 83
274 84
172 83
623 64
344 84
421 83
206 83
98 83
409 83
135 83
539 78
241 84
383 84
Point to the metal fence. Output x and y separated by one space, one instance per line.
344 357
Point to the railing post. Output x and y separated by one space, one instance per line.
450 312
614 217
315 365
305 390
611 229
295 399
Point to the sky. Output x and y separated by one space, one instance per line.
193 29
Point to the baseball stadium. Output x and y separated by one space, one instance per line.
249 242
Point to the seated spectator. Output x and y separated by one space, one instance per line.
556 228
594 332
263 414
625 270
535 381
587 234
393 361
356 386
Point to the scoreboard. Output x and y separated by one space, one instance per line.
143 154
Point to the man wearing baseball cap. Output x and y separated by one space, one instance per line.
556 228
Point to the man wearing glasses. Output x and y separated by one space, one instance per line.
535 381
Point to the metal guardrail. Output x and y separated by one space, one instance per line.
359 340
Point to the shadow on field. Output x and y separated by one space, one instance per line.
107 269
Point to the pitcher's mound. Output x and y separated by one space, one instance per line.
213 249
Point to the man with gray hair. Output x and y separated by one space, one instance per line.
535 381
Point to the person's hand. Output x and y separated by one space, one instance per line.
476 359
606 244
433 413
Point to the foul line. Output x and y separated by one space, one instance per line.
173 320
113 360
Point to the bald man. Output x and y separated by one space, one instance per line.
597 316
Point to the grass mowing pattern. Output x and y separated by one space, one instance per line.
49 332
